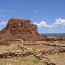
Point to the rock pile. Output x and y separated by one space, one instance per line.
29 51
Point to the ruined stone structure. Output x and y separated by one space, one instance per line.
21 28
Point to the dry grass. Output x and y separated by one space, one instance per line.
11 47
58 58
28 60
31 60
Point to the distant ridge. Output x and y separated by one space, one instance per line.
55 34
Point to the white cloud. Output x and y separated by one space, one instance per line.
57 22
3 23
43 23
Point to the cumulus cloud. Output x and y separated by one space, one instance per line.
43 23
57 22
3 23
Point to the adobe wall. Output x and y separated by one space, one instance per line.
20 26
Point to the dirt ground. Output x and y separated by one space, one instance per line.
59 59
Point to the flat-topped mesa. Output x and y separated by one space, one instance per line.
20 26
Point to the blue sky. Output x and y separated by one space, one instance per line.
49 15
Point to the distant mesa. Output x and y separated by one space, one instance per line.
21 28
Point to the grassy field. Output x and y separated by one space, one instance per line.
10 47
28 60
59 59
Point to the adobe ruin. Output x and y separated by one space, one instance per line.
21 28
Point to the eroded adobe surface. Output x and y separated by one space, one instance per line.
21 28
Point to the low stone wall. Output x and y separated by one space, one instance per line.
39 53
29 51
